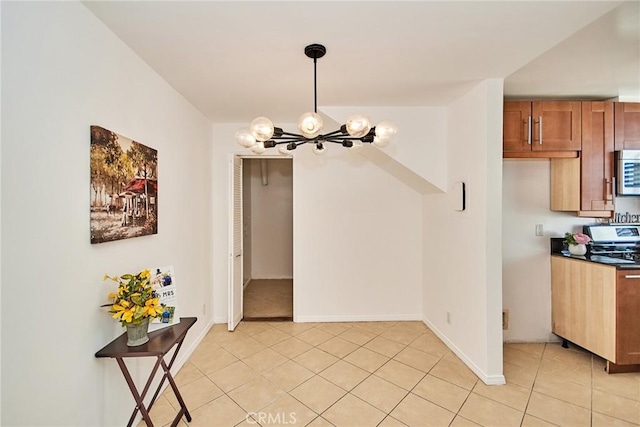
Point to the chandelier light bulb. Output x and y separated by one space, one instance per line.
261 128
320 148
284 150
310 124
358 125
245 138
259 148
380 142
385 131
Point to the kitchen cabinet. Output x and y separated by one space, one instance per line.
586 185
627 136
627 319
596 307
544 129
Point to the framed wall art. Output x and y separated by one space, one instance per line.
124 187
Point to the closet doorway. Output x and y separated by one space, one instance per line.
267 238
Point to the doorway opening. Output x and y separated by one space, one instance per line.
266 238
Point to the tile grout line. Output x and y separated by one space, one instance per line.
379 335
533 384
375 335
338 359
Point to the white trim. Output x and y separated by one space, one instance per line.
487 379
233 322
536 341
246 284
184 355
220 319
230 241
359 318
261 156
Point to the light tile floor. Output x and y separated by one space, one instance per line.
387 374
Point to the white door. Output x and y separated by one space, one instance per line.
235 252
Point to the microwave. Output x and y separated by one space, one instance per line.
628 172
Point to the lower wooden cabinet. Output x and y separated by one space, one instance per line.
583 304
628 317
596 307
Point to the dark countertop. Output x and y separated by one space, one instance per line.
558 249
620 264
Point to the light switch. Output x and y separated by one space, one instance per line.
459 194
539 230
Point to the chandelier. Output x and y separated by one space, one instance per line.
262 134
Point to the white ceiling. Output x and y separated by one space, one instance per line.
236 60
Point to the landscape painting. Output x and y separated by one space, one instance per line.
124 187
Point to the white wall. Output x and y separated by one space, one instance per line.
357 236
63 71
272 219
462 250
526 269
357 241
421 152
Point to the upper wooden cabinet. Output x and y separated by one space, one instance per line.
586 185
516 126
597 157
541 126
627 126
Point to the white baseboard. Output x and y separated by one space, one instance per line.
540 341
246 284
358 318
220 319
487 379
187 352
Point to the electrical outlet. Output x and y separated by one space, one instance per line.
448 317
505 320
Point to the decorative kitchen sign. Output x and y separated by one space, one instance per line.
124 187
626 218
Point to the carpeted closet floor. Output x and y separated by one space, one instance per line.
269 300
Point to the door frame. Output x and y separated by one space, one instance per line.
231 317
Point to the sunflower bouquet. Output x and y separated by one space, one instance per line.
134 300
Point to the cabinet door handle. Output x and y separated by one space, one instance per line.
632 276
540 126
529 131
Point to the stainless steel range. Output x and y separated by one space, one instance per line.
617 244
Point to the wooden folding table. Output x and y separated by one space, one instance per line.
159 344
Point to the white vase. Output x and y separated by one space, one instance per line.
579 249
